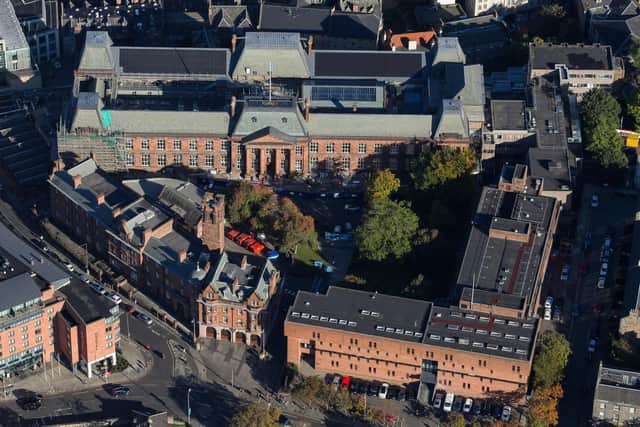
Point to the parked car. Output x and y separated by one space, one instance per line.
468 404
384 390
336 382
345 382
437 400
114 297
29 403
604 268
548 303
353 387
120 391
373 389
547 314
180 348
362 387
601 282
604 255
506 413
402 395
98 289
557 314
392 394
448 402
595 201
69 266
85 278
592 345
607 242
457 404
40 244
477 407
159 354
564 276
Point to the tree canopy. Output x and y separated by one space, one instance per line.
278 217
454 420
549 364
543 407
388 230
600 113
257 415
381 185
553 10
441 165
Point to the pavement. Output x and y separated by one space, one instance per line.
592 307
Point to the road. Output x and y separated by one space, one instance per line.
593 304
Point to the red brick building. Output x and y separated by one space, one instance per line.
401 341
167 237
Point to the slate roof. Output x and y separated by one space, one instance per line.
252 279
97 54
230 16
280 54
415 321
314 20
166 249
617 385
370 125
173 61
281 114
10 29
451 120
17 290
448 50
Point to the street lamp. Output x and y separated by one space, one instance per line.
188 407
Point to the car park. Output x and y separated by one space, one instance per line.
448 402
384 389
437 400
564 276
468 404
506 413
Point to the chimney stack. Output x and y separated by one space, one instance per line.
77 180
207 266
58 165
182 255
243 263
310 45
146 236
236 285
234 43
307 107
100 198
115 213
233 106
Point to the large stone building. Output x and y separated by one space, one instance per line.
167 238
400 341
617 396
241 111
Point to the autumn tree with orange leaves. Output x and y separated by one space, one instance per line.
543 407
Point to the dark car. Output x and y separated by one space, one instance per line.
159 354
496 410
29 403
120 391
353 387
40 244
362 387
402 396
457 404
477 407
392 393
373 389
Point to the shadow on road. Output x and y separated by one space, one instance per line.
211 404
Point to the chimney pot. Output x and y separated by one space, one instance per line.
236 285
307 107
115 213
100 198
77 180
243 263
234 42
207 266
182 255
310 45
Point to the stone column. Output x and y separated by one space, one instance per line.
248 154
263 161
277 157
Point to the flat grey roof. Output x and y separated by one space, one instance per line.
505 266
17 290
616 385
89 305
576 57
415 321
508 115
188 61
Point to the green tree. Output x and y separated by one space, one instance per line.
606 146
537 40
635 55
633 108
598 106
624 351
381 185
441 165
257 415
549 363
388 230
245 200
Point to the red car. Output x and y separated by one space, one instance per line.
256 248
241 238
583 266
344 384
250 241
232 234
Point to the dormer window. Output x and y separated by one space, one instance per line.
254 303
210 295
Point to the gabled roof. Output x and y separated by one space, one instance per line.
10 30
452 120
281 114
448 50
230 16
278 54
312 20
97 54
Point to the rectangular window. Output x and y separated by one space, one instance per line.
208 161
314 147
162 160
298 151
161 145
361 163
346 163
377 148
193 144
193 161
376 163
362 148
223 162
177 145
145 160
144 144
177 159
346 147
395 148
239 163
128 144
224 146
314 162
208 145
298 165
330 147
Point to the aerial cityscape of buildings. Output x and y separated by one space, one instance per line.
189 194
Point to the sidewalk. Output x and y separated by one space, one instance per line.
59 379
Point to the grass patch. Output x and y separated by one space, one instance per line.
306 255
384 277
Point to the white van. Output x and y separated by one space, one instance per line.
448 402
